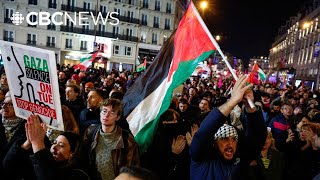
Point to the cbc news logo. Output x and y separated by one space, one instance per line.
45 18
17 18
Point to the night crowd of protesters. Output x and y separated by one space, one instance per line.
209 132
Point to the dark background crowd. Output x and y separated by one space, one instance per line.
97 142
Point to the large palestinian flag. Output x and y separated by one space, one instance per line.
151 94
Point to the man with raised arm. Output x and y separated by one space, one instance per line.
217 150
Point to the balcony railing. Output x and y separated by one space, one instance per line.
30 42
51 27
168 11
68 47
51 44
156 25
114 35
66 28
76 30
154 42
167 27
128 19
145 5
8 39
52 5
7 20
66 7
145 23
33 2
157 8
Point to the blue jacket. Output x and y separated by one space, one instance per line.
206 163
279 126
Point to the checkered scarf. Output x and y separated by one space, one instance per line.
226 131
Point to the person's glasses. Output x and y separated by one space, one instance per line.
4 104
287 109
105 112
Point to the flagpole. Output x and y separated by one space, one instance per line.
219 50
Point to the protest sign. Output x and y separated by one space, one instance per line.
33 82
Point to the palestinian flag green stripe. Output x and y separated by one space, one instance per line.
151 94
145 135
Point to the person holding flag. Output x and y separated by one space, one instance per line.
256 75
215 149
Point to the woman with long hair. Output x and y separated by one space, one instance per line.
69 123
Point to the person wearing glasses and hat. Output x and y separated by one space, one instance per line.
11 127
217 150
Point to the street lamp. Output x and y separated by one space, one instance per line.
203 6
306 25
218 37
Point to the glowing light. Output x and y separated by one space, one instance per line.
203 4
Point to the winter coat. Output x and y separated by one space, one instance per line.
208 164
126 152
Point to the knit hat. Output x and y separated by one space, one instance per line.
226 131
89 85
74 140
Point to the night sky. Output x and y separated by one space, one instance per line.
248 27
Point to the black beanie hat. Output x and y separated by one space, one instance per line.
73 138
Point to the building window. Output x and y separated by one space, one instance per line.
68 43
52 4
8 36
167 24
168 9
127 67
33 18
33 2
129 34
144 19
83 45
165 38
157 5
51 41
116 30
156 22
69 24
8 15
102 28
116 49
130 16
32 39
154 38
51 26
103 10
127 51
118 11
86 27
143 37
131 2
145 4
86 6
